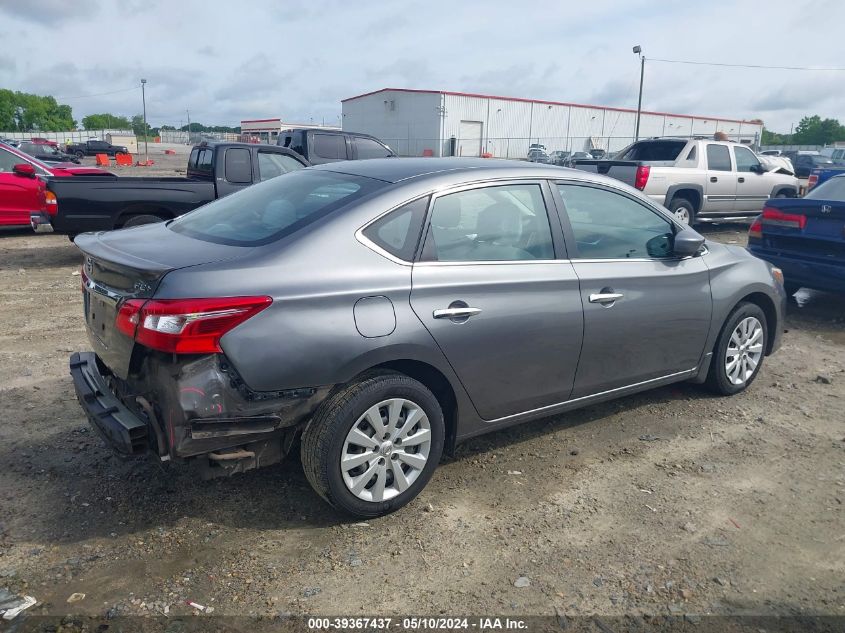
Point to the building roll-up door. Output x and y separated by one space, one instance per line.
469 138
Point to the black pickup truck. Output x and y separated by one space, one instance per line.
214 170
92 148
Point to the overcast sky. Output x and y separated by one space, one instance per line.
227 61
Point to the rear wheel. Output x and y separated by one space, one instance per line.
138 220
739 351
683 210
79 154
373 446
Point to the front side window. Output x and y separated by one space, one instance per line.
745 159
8 161
332 146
368 148
609 225
271 165
273 209
718 158
497 223
399 231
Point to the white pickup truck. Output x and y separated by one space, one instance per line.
698 179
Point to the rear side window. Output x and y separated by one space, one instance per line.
273 209
200 159
368 148
398 232
653 151
833 189
332 146
238 166
718 158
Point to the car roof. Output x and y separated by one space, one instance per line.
394 170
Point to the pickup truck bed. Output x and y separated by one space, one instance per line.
214 170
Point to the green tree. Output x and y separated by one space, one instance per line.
21 111
106 122
813 130
773 138
138 126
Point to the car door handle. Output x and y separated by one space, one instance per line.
740 179
605 297
714 179
455 313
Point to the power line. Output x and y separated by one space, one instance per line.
680 61
101 94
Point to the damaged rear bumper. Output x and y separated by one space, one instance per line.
191 407
109 417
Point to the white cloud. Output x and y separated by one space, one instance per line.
228 61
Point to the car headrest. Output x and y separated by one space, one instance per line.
447 212
501 222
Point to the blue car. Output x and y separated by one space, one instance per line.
805 237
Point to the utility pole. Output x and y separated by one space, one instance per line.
188 112
144 102
638 50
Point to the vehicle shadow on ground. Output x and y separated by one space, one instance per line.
74 488
42 253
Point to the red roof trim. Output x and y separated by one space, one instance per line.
559 103
259 120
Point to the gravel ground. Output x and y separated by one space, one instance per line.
671 501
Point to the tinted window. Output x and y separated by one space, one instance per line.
399 231
368 148
330 146
833 189
718 158
745 159
609 225
273 209
192 160
98 145
296 143
652 150
505 223
271 165
238 165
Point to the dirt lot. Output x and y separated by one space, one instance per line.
671 501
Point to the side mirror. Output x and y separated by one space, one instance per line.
687 243
758 169
24 169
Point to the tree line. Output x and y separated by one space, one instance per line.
811 130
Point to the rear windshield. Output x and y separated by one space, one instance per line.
652 150
833 189
268 211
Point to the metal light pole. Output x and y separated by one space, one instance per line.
638 50
144 102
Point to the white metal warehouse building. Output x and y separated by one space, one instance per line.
423 122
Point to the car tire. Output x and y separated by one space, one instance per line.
79 154
682 210
372 487
138 220
740 350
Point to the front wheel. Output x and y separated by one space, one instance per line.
79 154
739 351
372 447
683 210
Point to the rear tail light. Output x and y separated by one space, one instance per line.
186 326
776 217
755 231
641 178
812 181
51 203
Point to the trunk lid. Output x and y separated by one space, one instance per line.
130 264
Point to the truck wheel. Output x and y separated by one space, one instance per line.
739 351
683 210
79 154
373 446
138 220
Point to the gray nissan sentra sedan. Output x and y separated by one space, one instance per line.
385 310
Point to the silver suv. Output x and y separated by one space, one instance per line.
385 310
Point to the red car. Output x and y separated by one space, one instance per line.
22 193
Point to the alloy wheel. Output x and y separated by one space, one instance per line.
386 450
745 349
